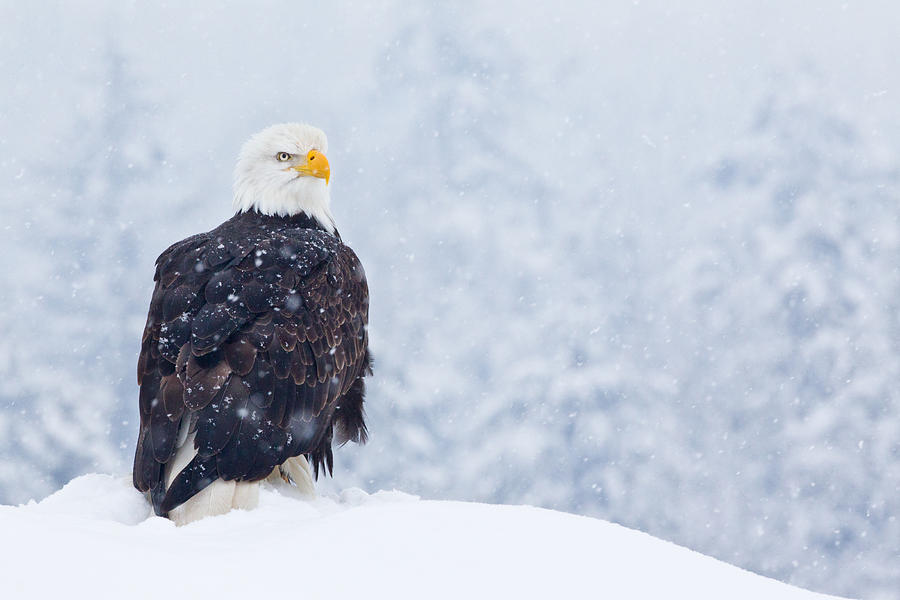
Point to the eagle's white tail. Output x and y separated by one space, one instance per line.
217 498
221 496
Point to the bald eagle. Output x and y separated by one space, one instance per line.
255 349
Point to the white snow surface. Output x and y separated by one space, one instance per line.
97 535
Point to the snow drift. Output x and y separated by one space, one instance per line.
97 536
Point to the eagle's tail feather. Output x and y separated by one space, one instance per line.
217 498
246 495
194 490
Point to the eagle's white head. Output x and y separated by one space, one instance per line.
282 170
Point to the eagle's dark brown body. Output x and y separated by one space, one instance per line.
256 342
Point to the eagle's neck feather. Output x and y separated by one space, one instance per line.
307 195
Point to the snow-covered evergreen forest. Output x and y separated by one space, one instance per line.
636 261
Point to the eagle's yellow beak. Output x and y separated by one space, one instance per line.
316 165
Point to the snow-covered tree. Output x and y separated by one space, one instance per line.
73 310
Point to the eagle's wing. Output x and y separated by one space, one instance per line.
258 345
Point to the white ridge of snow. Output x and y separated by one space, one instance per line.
97 537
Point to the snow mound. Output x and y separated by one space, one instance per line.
97 536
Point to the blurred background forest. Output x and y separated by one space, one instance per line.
631 260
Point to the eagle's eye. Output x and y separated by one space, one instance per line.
283 156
